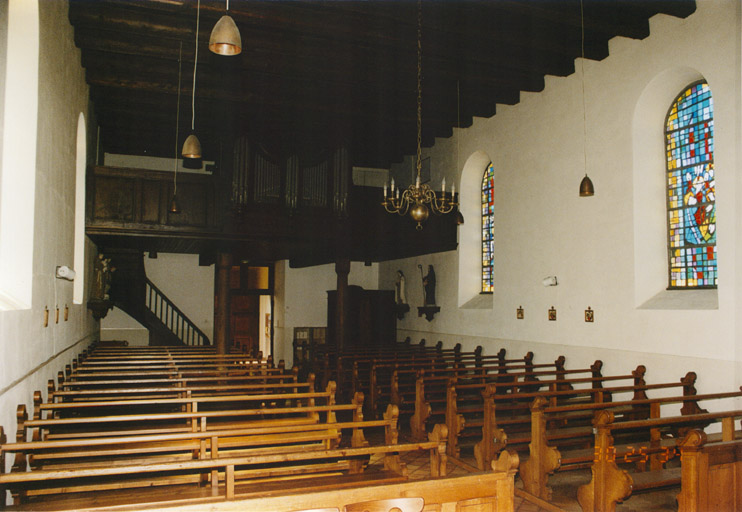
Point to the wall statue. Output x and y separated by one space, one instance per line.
103 275
399 289
428 286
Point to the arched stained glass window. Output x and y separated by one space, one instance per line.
488 229
691 194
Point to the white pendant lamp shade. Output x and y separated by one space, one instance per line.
225 37
192 147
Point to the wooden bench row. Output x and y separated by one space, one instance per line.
709 472
551 431
396 383
272 441
224 429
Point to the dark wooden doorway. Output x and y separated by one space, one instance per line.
245 321
251 306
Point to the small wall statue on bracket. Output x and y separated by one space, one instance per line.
429 309
400 299
100 301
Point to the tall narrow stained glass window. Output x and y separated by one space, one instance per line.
691 189
488 229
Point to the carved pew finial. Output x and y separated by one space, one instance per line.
507 461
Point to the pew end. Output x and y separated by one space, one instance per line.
438 458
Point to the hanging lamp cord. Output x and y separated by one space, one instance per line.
177 121
582 66
458 122
419 85
195 65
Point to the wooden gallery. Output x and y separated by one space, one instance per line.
300 255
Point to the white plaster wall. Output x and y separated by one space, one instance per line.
189 285
301 299
3 59
30 353
119 326
180 277
543 228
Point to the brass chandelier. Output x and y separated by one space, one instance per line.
419 199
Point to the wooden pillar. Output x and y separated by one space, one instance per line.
221 315
342 269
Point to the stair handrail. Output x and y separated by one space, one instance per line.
174 319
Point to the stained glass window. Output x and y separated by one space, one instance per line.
691 189
488 229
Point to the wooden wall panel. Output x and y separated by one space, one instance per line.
192 200
114 199
151 194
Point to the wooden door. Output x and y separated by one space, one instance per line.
245 321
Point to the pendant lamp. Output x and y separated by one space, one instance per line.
174 206
225 36
192 146
586 185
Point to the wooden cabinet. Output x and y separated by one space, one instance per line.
370 321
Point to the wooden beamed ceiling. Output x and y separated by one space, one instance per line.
317 75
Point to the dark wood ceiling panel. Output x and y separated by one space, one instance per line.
316 75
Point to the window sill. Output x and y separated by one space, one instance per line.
683 300
479 301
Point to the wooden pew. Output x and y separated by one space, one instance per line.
172 415
216 369
282 428
93 361
492 433
401 388
611 484
174 379
513 427
356 372
710 474
185 399
446 405
400 385
227 455
492 491
356 368
545 458
179 387
335 365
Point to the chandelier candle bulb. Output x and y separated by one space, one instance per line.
392 186
385 189
443 187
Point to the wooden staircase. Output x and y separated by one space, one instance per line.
134 293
